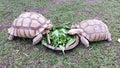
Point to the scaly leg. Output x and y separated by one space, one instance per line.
84 41
37 39
11 37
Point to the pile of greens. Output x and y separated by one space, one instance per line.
59 37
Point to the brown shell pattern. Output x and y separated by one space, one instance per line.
94 30
28 25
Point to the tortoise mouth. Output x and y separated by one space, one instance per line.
46 31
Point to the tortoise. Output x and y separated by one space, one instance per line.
30 25
91 30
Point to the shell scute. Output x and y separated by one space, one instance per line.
25 14
18 22
28 24
94 30
42 20
14 22
89 29
32 33
92 37
90 22
15 32
34 16
83 25
34 24
21 33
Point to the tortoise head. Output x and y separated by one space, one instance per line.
49 25
74 26
75 31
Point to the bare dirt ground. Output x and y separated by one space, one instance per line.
47 8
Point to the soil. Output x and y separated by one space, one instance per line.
75 60
46 9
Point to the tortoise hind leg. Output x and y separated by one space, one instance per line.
37 39
11 37
84 41
109 39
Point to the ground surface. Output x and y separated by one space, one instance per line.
20 54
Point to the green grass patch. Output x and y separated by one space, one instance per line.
19 53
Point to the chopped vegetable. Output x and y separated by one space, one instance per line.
59 38
63 49
71 41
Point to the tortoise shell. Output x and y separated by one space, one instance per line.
28 25
93 30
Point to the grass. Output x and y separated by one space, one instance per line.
20 54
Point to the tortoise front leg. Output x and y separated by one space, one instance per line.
11 37
84 41
37 39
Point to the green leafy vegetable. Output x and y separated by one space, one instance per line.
59 38
63 49
55 33
70 42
